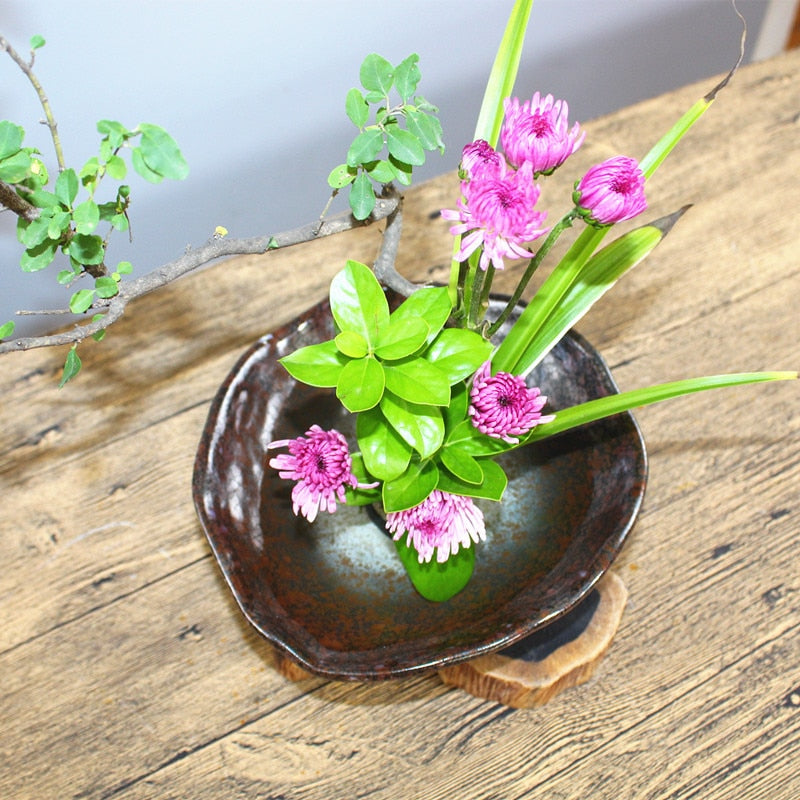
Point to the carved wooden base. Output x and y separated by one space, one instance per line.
535 669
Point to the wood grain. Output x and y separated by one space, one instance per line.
128 672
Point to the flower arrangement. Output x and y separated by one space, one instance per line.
437 398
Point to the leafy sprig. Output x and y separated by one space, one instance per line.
384 151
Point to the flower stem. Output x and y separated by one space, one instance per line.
564 223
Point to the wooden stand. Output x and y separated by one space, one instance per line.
535 669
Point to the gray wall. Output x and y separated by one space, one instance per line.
254 93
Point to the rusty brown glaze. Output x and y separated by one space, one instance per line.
333 595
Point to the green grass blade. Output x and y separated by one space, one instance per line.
503 74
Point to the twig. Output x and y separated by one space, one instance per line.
19 205
383 267
113 308
45 103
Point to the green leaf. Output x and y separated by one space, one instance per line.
161 153
401 337
35 232
86 216
402 170
437 581
117 168
417 381
86 249
462 465
316 364
115 132
341 176
431 303
42 199
81 301
140 165
58 224
458 352
381 171
66 188
456 411
376 74
385 453
625 401
421 426
101 334
106 286
359 496
491 488
503 74
16 168
406 77
360 385
35 258
404 146
410 488
362 196
72 366
125 268
464 435
357 108
37 41
6 329
427 129
365 147
11 136
352 344
358 302
65 276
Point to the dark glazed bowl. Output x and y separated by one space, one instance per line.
333 595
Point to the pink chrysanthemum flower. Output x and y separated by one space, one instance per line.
478 156
611 192
503 407
442 522
320 463
538 132
497 212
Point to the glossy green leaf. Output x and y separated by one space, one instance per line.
421 426
358 302
365 147
81 301
381 171
407 76
86 216
410 488
357 108
16 168
432 303
401 337
436 581
362 196
341 176
462 465
385 453
376 74
402 170
87 249
66 188
360 384
106 286
161 153
11 136
6 329
316 364
426 128
468 438
140 165
458 352
456 410
417 381
352 344
35 258
404 146
72 366
491 488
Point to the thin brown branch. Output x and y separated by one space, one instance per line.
45 103
114 308
384 266
19 205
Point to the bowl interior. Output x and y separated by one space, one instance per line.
333 594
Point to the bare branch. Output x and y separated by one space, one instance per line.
19 205
384 267
113 308
45 103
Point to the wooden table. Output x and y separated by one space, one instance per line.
127 671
